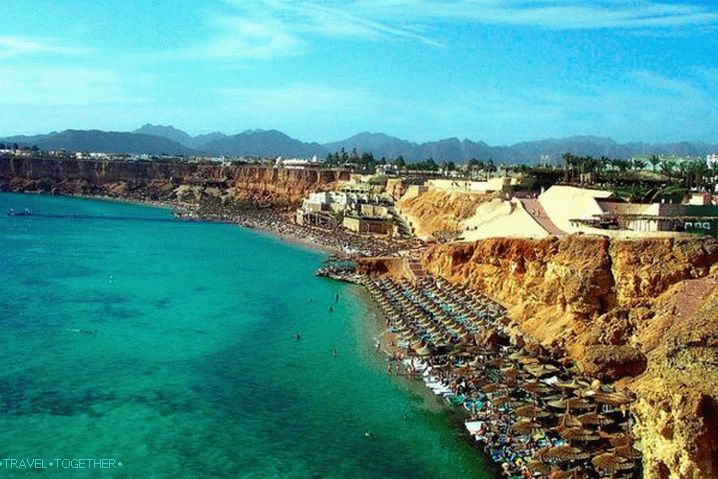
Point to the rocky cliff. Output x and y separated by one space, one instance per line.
440 214
166 181
642 312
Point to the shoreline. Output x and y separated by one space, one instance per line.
268 221
532 415
440 378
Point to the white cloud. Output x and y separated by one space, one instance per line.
656 82
241 38
560 15
12 46
64 85
332 20
267 29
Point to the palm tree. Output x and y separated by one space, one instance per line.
654 161
684 172
638 164
622 165
667 167
698 170
603 161
568 159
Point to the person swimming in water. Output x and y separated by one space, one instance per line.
297 337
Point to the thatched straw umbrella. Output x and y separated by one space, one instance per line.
538 466
498 401
629 452
613 399
524 427
611 462
577 434
541 370
498 362
559 474
510 373
531 411
606 461
572 403
493 387
572 384
535 387
594 419
562 454
620 440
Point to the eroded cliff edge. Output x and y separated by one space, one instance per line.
641 312
191 183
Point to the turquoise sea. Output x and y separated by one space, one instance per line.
169 348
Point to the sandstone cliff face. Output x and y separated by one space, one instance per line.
437 214
644 312
165 180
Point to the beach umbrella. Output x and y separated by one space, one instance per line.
535 387
612 399
571 403
498 362
524 427
620 440
594 419
498 401
572 384
541 370
606 461
493 387
609 461
538 466
529 360
578 434
629 452
530 411
559 474
564 453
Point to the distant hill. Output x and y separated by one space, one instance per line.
453 149
181 137
157 139
263 143
379 144
102 141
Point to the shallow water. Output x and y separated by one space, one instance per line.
169 347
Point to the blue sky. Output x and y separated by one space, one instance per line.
497 71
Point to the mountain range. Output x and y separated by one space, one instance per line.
159 139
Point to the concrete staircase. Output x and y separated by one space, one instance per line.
416 270
401 224
534 208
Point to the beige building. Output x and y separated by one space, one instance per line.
369 225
